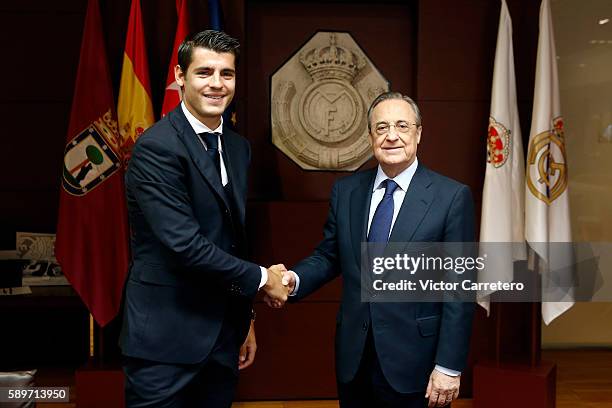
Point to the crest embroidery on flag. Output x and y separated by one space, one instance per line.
90 157
498 143
547 154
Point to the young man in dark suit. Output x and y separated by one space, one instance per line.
392 354
189 293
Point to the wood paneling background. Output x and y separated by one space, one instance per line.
440 52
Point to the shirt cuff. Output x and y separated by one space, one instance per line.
264 277
448 371
297 283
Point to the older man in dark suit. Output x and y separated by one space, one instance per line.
392 354
189 291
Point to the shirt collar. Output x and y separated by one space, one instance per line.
403 179
198 126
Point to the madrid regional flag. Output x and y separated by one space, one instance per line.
172 96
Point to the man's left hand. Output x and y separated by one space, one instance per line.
248 349
442 389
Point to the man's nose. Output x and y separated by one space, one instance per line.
216 81
393 135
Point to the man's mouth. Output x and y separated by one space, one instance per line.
214 97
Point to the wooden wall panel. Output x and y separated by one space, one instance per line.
276 30
441 52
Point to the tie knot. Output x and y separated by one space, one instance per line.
211 140
390 186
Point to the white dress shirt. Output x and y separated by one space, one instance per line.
200 127
403 181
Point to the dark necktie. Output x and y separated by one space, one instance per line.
381 222
212 148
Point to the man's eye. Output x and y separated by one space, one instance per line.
382 128
403 126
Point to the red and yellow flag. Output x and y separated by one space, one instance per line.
134 109
92 232
172 96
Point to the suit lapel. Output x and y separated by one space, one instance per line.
360 200
416 203
230 158
197 152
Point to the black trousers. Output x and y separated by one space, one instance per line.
152 384
370 388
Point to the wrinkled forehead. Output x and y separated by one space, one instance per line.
392 110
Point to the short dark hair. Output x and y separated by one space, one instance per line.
394 95
213 40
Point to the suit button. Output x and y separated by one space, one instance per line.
233 246
364 326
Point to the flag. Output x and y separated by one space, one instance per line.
215 18
92 234
503 211
215 15
172 96
547 216
134 108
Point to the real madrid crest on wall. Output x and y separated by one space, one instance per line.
320 98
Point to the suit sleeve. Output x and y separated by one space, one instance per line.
456 324
322 266
157 181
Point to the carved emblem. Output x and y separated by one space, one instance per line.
498 143
547 163
319 103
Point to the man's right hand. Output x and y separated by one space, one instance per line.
274 288
289 280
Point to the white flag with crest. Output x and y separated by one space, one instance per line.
547 216
503 211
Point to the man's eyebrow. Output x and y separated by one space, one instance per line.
206 67
203 67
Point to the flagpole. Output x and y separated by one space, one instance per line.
498 314
92 342
535 312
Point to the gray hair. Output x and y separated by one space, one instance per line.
394 95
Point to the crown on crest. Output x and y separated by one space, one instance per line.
332 61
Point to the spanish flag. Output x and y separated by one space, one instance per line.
172 96
134 109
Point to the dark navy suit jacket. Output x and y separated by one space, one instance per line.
410 338
187 275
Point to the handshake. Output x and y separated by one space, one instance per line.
280 284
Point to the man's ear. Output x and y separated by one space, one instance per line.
179 76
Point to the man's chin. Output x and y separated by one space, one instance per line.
214 111
395 160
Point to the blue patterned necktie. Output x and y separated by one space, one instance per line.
383 217
212 148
